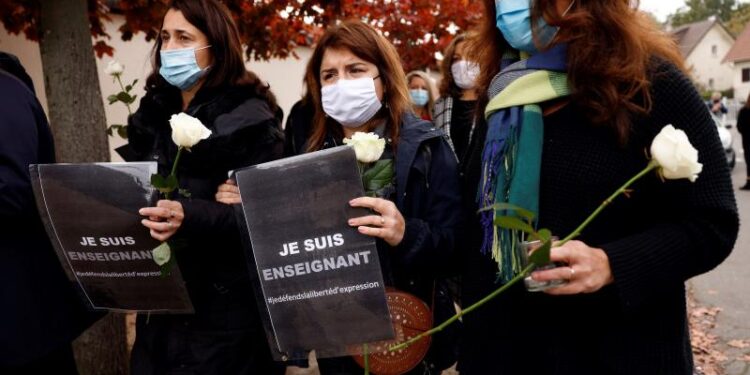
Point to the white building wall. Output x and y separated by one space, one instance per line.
705 61
284 76
741 89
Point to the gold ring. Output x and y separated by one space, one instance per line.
572 272
382 220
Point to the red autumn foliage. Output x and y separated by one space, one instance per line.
274 28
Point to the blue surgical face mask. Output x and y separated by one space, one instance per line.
180 68
513 18
419 97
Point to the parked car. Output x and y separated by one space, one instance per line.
726 140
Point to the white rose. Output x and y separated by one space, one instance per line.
114 68
187 130
367 146
161 254
676 157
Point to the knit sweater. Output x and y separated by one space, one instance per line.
659 237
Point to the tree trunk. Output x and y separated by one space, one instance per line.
76 116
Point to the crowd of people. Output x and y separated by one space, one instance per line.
573 91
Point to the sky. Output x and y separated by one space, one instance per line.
662 8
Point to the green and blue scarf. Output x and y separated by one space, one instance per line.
512 155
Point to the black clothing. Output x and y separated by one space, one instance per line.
42 311
298 126
461 125
664 234
743 127
427 195
224 335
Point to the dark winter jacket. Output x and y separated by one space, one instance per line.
663 234
224 335
41 310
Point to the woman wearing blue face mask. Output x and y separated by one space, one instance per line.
572 92
422 92
199 70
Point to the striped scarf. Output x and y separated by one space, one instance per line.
512 155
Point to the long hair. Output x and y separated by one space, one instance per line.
364 42
613 50
215 21
431 91
448 87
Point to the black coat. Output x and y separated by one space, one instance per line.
224 335
429 199
664 234
41 310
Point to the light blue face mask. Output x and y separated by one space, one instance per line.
513 18
180 68
419 97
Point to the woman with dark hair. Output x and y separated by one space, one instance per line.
199 70
572 93
743 126
356 84
454 111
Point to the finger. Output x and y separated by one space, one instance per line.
565 289
229 188
375 204
564 254
557 273
160 236
230 182
159 212
161 226
372 232
371 220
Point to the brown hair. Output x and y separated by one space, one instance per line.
448 87
364 42
214 20
430 87
612 50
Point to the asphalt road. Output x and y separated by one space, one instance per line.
728 286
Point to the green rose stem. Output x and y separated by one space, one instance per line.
123 89
367 359
651 166
174 169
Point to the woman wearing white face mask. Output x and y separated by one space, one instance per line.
199 70
454 111
423 93
357 85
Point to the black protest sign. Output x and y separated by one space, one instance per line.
320 280
91 215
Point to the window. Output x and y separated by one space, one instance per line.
746 75
714 50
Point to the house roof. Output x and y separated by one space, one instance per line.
740 50
688 36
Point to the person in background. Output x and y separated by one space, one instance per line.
423 93
743 126
42 312
199 70
716 105
573 92
454 111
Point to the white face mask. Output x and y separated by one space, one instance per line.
351 102
465 74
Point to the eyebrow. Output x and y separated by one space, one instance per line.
177 31
350 65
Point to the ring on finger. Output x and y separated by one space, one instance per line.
382 220
572 273
169 225
172 214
